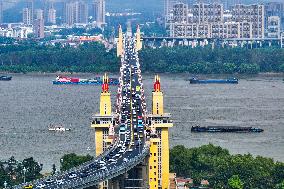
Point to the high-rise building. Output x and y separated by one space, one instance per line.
82 11
99 12
28 13
274 9
27 16
76 12
273 27
207 13
253 14
30 6
51 17
211 21
49 12
39 14
38 28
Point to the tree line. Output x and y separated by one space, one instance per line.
94 57
224 170
209 162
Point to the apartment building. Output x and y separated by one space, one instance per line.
252 14
76 12
273 27
211 21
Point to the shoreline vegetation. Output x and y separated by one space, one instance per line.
213 163
94 58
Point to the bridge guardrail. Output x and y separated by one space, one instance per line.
102 176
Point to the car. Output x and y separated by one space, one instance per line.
117 155
83 174
40 186
28 186
130 150
103 168
50 180
111 153
125 159
73 175
60 181
140 123
122 129
102 163
121 151
111 160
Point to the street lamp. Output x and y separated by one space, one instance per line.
5 184
24 170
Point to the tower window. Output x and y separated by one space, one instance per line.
157 108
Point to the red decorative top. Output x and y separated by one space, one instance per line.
157 84
105 86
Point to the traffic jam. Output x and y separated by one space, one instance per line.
130 131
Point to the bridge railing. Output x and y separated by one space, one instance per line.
105 175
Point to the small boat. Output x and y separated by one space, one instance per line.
225 129
58 128
218 81
62 80
5 78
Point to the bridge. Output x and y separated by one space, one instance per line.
132 149
157 41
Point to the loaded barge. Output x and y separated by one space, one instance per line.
218 81
62 80
225 129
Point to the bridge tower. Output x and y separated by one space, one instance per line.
138 39
160 122
103 122
120 42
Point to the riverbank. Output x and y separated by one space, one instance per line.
93 57
262 74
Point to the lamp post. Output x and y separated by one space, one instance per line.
5 184
24 170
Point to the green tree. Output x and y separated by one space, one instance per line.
218 167
69 161
281 68
235 182
280 185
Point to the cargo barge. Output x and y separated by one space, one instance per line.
225 129
218 81
5 78
62 80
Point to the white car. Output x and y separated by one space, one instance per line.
40 185
103 168
60 181
73 175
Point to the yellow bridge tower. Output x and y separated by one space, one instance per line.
103 122
160 122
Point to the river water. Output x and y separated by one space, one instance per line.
30 103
